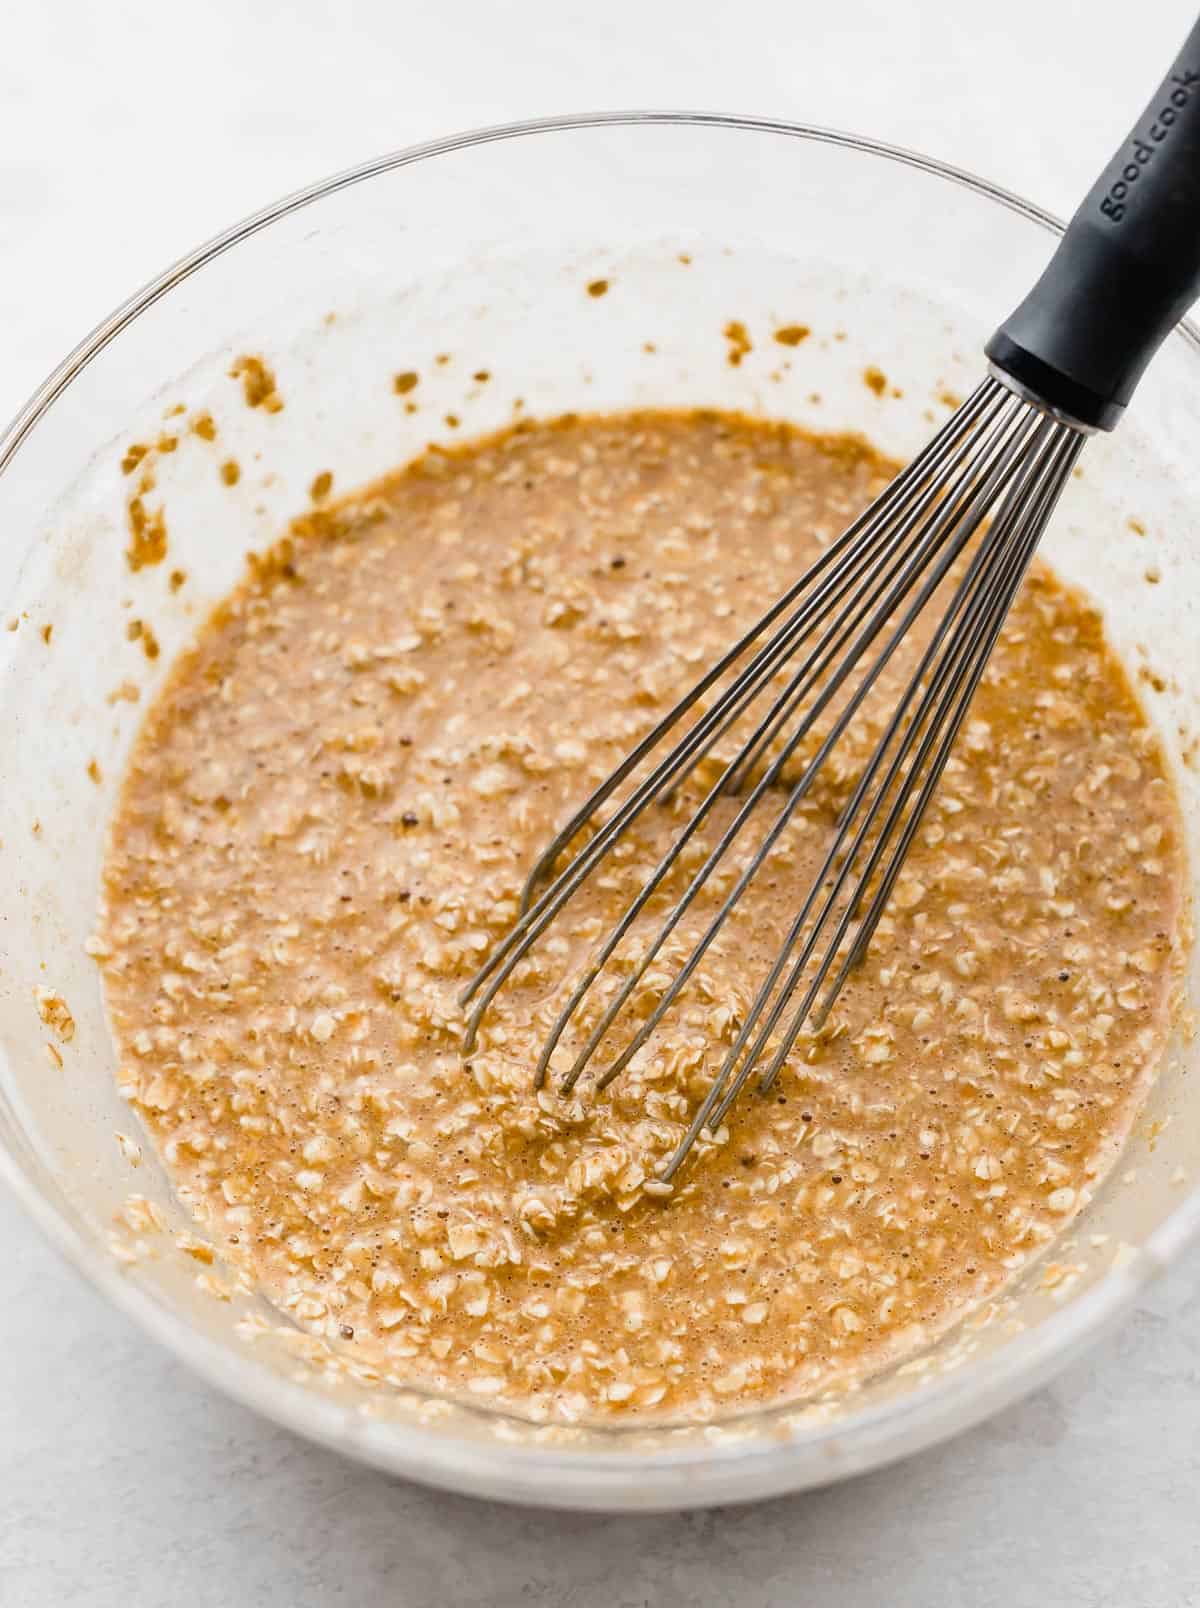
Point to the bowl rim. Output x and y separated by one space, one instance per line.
538 1474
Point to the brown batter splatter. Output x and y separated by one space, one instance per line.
139 631
55 1012
148 534
258 383
739 341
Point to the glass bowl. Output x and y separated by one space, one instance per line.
593 262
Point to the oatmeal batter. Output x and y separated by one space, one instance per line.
326 825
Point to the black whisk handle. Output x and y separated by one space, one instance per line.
1125 271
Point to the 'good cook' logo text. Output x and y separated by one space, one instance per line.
1143 151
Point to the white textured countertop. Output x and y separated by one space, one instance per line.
128 132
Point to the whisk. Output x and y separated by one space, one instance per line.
958 525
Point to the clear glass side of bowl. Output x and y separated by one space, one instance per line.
478 266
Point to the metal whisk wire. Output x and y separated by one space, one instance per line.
999 456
